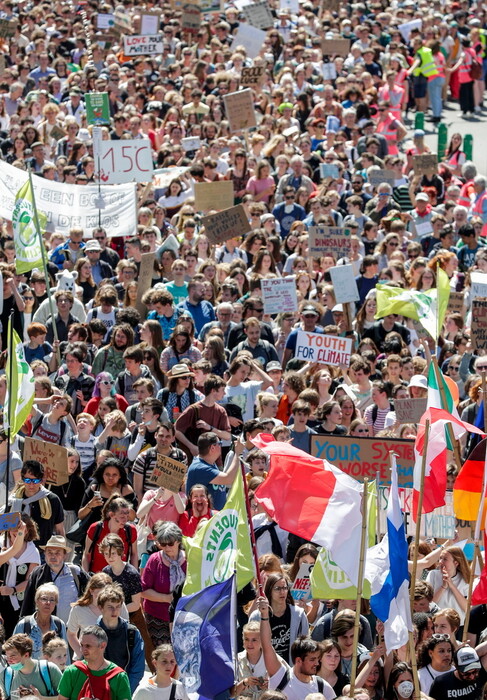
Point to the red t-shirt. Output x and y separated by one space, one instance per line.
98 561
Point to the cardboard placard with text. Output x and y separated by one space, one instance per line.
252 76
258 14
364 457
329 240
226 224
323 349
213 195
425 164
409 410
7 28
54 459
168 473
9 521
145 281
335 47
191 18
279 295
479 326
456 303
479 285
239 108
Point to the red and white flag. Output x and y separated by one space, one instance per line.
436 457
315 500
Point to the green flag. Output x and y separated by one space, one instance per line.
221 545
21 384
28 252
327 579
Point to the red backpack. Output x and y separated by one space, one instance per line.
96 686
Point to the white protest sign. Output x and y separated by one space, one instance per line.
441 523
479 284
301 589
258 14
70 206
191 143
344 283
279 295
291 5
323 349
149 24
407 27
143 45
104 20
251 38
126 161
163 176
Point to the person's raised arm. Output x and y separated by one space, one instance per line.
264 378
227 478
271 659
364 673
16 545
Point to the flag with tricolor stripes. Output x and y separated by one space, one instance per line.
468 484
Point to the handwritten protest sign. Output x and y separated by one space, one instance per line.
54 459
324 349
150 22
226 224
301 589
456 303
124 161
329 240
9 521
343 280
335 47
143 45
441 523
258 14
409 410
425 164
364 457
377 177
329 170
7 28
191 17
191 143
213 195
145 280
252 76
164 176
168 473
279 295
479 285
251 38
239 108
479 326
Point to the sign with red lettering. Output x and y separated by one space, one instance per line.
364 457
279 295
125 161
301 589
143 45
329 240
323 349
54 459
168 473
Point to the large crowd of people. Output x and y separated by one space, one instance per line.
193 368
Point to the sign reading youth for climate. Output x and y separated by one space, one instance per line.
143 45
324 349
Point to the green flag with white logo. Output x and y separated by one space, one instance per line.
21 385
221 545
27 244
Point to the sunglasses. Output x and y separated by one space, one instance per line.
28 480
107 382
167 544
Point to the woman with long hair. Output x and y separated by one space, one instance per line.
180 391
385 249
400 685
349 411
239 174
179 347
152 361
85 279
365 317
71 494
263 264
254 242
435 657
450 580
106 406
151 334
426 280
109 480
199 507
330 666
262 185
454 157
130 296
321 382
214 352
114 520
103 388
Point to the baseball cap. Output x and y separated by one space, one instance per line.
272 366
466 659
93 245
418 380
309 310
418 134
337 307
422 197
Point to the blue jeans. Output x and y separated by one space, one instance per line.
435 88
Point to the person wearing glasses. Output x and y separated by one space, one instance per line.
43 620
287 211
107 254
66 254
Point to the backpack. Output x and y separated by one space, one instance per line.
287 677
375 411
38 423
8 675
475 69
28 625
96 686
96 536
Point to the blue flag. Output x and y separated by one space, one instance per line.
203 637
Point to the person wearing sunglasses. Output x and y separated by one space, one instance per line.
104 387
468 678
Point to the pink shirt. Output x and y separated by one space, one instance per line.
162 510
257 186
156 576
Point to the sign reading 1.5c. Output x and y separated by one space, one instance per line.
125 161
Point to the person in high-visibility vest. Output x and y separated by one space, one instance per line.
464 64
423 71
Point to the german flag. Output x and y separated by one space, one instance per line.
468 484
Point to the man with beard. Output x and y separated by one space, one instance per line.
200 309
110 357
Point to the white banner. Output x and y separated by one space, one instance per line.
125 161
143 45
324 349
344 283
279 295
67 206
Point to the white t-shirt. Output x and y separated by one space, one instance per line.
244 396
149 691
447 599
82 616
427 675
297 690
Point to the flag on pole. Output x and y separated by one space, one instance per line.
28 252
443 296
387 570
436 381
468 484
204 639
479 594
434 487
315 500
20 386
221 545
420 306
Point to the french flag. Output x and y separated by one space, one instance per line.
311 498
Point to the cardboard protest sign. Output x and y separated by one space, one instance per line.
226 224
409 410
323 349
191 18
145 280
364 457
252 76
301 589
377 177
456 303
9 521
329 6
279 295
251 38
7 28
479 285
329 240
425 164
258 14
53 458
168 473
97 108
239 108
441 523
343 280
479 326
127 160
143 45
57 133
335 47
213 195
